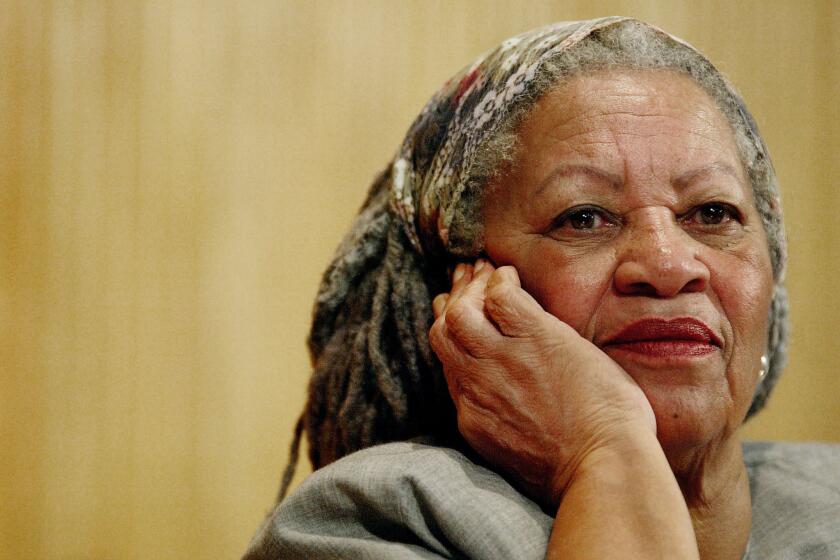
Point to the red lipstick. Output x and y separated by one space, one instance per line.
682 337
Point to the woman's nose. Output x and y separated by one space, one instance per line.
659 259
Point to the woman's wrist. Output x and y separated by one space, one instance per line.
625 449
623 501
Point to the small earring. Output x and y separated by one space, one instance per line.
763 371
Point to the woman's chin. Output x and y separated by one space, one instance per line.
691 398
688 419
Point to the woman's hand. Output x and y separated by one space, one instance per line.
533 397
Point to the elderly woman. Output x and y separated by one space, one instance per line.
600 218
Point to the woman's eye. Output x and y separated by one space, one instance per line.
583 218
713 214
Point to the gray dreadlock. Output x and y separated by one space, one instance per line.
375 378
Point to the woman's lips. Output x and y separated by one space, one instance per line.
682 337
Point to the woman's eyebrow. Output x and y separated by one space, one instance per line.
704 171
569 169
616 181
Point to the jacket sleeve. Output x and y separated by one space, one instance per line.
403 501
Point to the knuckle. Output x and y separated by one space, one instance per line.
457 313
500 299
436 329
508 273
440 300
499 291
436 334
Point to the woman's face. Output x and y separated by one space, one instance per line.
629 216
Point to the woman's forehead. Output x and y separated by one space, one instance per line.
619 126
647 98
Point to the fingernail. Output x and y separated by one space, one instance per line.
459 272
479 264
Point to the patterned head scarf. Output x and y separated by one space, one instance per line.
375 378
432 170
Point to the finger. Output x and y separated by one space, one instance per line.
460 279
462 285
506 273
513 310
439 304
483 267
465 317
474 291
471 329
454 358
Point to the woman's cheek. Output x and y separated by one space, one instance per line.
743 285
568 287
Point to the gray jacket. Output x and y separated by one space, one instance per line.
410 500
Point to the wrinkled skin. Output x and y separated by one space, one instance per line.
627 200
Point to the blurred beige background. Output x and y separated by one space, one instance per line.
174 176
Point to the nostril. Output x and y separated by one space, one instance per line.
638 288
634 279
696 285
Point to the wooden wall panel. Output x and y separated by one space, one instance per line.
174 176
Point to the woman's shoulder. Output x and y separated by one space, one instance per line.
802 455
404 500
795 491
